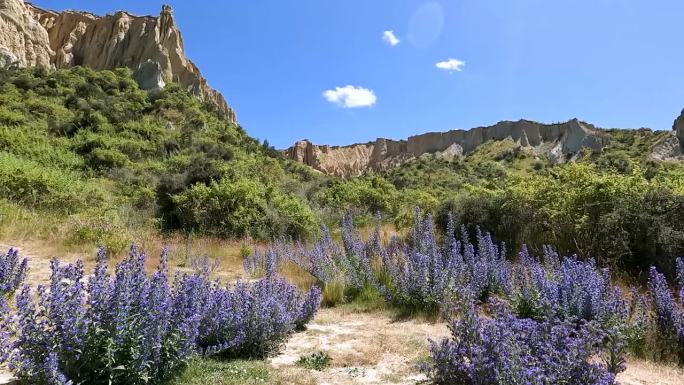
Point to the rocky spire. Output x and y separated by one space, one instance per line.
678 127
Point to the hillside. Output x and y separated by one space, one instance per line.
91 154
151 47
105 159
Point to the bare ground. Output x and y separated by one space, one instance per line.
376 349
366 348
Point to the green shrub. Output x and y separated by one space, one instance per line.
315 361
31 143
30 184
242 208
11 118
361 196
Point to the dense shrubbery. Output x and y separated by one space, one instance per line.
243 208
76 141
249 320
616 206
131 328
510 350
422 275
566 289
625 221
360 196
35 186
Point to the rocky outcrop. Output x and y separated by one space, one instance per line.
152 47
678 127
558 142
671 147
22 36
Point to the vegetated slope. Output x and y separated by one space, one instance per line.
105 158
152 47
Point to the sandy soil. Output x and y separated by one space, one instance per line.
641 372
366 348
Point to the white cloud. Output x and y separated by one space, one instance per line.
350 96
390 38
451 65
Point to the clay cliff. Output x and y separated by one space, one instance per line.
557 142
152 47
678 128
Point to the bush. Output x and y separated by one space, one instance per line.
12 272
138 329
121 330
567 289
424 276
344 271
74 138
31 143
669 317
316 361
251 320
360 196
242 208
35 186
509 350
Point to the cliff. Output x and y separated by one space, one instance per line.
558 142
152 47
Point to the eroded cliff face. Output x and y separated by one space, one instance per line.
678 128
23 41
558 142
150 46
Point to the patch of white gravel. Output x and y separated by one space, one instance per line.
6 378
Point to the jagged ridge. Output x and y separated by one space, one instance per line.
555 141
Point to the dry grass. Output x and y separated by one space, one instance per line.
39 252
640 372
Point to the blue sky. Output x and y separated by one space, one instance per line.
614 63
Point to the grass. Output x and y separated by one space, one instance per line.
208 371
240 372
367 300
334 293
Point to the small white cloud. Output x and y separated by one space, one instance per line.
451 65
390 38
350 96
